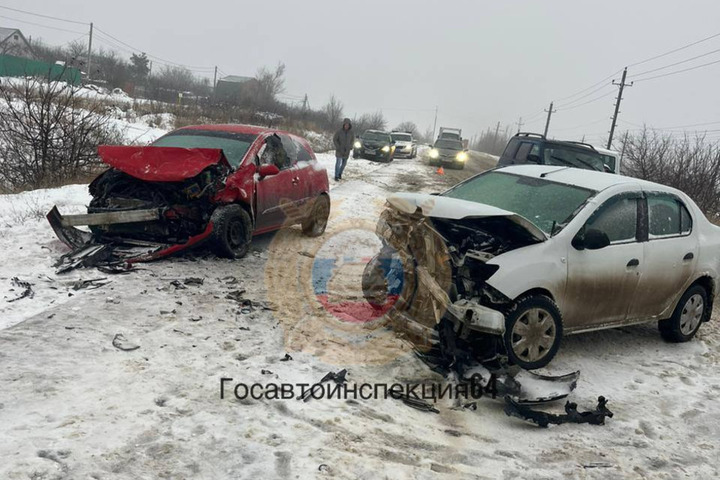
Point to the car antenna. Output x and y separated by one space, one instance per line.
543 175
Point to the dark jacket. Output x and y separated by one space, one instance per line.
344 140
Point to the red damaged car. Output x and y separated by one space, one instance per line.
219 184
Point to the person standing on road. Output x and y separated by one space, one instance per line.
343 141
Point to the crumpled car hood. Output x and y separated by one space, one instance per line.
160 164
456 209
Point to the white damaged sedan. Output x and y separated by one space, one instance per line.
509 261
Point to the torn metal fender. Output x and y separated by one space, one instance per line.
173 249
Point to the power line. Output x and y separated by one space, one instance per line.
589 101
679 71
44 16
40 25
591 86
586 95
159 59
675 50
676 63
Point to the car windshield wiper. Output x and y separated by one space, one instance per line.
569 163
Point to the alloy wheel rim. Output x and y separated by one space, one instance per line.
533 335
235 234
691 315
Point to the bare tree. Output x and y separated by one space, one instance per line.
333 111
688 163
408 127
269 84
48 135
370 121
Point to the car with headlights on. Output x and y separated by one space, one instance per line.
375 145
448 152
509 261
405 145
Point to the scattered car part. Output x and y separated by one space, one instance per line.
27 289
413 402
337 377
121 343
571 415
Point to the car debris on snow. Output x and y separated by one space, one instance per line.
89 284
571 415
27 289
338 377
121 343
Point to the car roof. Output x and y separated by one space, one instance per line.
234 128
578 177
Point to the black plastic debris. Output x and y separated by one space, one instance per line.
571 415
266 372
194 281
338 377
286 358
121 343
27 289
413 402
89 284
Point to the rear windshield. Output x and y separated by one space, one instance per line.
451 144
233 145
549 205
570 157
402 137
383 137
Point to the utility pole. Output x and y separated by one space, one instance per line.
215 79
519 124
89 64
549 111
434 124
622 85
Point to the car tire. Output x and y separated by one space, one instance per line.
689 314
314 225
533 331
232 231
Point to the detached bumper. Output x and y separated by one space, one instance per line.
116 249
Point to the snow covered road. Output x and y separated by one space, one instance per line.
74 406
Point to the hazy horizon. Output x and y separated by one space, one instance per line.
478 62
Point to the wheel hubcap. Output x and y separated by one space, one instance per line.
691 314
533 335
320 218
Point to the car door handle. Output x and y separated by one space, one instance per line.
688 256
296 180
633 263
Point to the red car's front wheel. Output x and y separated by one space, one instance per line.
232 231
315 223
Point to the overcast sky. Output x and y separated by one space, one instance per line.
478 61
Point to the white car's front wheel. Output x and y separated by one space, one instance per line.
533 329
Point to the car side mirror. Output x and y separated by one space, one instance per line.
592 239
532 158
268 170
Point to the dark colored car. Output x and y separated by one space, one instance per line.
375 145
534 148
448 152
219 184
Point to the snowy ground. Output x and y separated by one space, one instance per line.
73 406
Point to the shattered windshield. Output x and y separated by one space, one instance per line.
549 205
377 136
233 145
449 144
